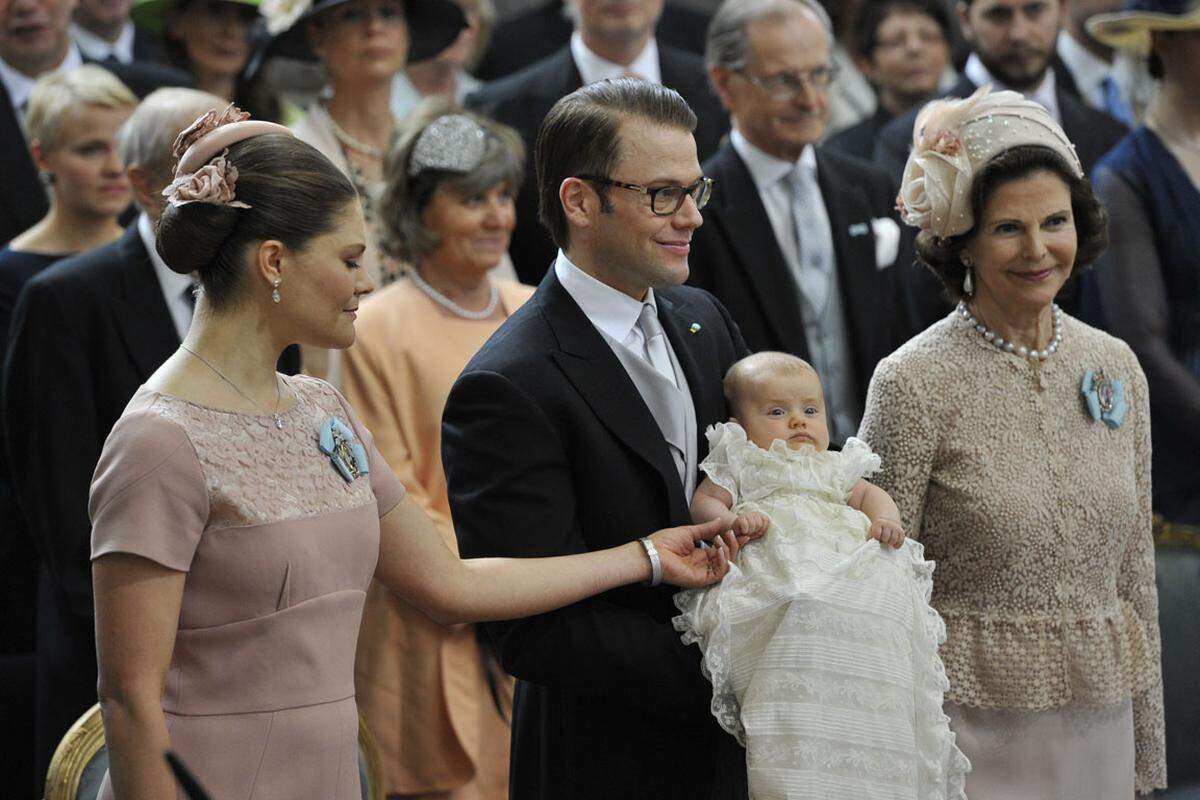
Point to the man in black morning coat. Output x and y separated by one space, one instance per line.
565 433
799 241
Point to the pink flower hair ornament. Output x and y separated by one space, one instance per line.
954 139
204 173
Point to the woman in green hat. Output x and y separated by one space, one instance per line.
210 39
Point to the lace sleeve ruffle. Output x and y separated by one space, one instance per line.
721 465
857 461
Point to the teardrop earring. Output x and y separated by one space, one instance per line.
275 291
968 284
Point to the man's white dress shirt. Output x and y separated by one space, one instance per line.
99 49
593 68
173 285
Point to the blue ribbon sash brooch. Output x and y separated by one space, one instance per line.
348 457
1105 398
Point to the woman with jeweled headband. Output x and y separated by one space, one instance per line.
436 700
1016 442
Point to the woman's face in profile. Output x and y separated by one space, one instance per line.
472 230
83 160
321 285
215 35
1024 245
362 39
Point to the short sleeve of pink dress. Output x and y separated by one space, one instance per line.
279 548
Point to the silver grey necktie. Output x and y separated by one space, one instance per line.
807 215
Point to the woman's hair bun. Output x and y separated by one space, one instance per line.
190 236
285 190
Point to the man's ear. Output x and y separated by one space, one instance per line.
147 192
579 200
720 78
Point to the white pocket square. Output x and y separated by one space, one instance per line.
887 241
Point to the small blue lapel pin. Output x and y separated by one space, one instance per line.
348 457
695 328
1105 398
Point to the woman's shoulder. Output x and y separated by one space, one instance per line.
513 290
1094 345
147 435
313 128
930 355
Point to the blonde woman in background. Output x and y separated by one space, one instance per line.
434 699
71 125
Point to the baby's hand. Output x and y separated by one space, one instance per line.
887 531
750 525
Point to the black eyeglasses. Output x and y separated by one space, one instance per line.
664 200
785 85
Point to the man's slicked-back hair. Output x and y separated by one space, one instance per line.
582 136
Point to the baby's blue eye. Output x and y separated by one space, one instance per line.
810 410
776 412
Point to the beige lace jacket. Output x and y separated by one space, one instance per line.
1038 518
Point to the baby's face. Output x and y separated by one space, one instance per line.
788 406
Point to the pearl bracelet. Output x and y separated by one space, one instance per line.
655 562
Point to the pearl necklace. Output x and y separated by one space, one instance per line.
451 306
1011 347
343 136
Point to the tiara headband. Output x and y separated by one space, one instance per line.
203 174
953 140
454 143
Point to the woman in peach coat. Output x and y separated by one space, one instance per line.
435 700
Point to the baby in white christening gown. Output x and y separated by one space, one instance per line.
820 643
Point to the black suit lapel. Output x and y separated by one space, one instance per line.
142 318
559 78
854 256
741 214
22 197
589 364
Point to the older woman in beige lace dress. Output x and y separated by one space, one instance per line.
1016 443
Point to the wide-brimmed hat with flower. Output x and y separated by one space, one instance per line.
1130 28
433 25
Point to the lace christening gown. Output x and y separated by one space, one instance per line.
821 644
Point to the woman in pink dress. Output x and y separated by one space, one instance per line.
239 516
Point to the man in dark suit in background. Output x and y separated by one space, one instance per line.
85 334
579 426
610 41
1013 45
104 33
799 242
532 35
34 40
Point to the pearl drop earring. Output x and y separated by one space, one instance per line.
275 291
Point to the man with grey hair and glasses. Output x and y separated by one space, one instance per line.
799 242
